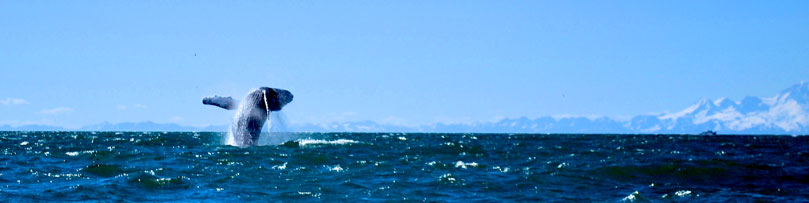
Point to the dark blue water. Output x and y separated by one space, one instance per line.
187 166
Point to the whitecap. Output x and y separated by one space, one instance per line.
446 177
635 197
281 167
682 193
631 197
461 164
501 169
336 168
305 142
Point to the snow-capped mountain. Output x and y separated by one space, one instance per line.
785 112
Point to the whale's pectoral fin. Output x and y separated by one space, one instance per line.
224 102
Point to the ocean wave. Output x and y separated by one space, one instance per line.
186 166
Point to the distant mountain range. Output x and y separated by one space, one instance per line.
785 113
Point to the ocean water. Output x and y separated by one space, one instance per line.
190 166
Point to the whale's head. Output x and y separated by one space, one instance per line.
276 98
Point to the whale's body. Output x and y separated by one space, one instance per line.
252 112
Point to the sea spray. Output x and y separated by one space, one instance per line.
277 132
280 122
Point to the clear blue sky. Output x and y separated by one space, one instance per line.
72 63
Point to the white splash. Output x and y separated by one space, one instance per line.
229 140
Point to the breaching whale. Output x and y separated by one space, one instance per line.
252 113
